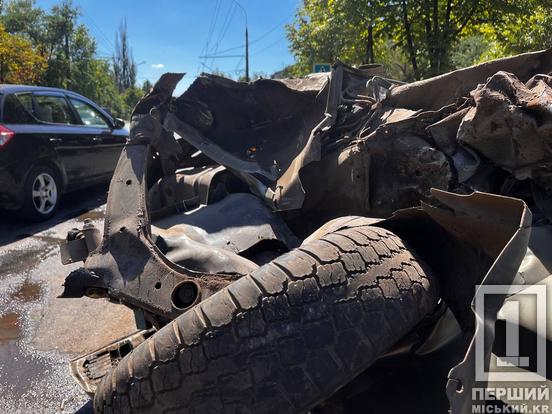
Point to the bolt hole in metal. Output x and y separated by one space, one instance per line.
128 182
158 285
44 193
185 295
459 387
122 229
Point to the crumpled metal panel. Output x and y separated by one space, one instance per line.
268 130
511 124
504 269
258 127
210 238
439 91
127 263
235 223
497 229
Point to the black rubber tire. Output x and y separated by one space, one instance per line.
284 338
28 210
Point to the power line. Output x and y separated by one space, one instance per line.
270 46
98 42
258 39
102 34
212 25
220 56
226 23
209 68
237 69
214 18
210 52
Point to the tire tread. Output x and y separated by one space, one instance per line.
283 338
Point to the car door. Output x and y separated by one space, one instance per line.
108 140
76 151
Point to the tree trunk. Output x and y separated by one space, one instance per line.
410 41
436 49
67 58
428 32
370 45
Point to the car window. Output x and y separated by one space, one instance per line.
18 109
89 115
54 109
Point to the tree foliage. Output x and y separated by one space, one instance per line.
124 66
25 19
416 38
19 61
56 50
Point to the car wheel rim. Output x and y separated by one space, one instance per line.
44 193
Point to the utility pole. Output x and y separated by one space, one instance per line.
246 41
246 55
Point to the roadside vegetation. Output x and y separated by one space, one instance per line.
413 39
51 48
416 39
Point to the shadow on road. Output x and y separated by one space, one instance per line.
12 228
87 408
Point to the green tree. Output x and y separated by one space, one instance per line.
124 65
470 50
60 26
146 86
19 62
419 38
24 18
82 55
527 27
103 89
131 96
353 31
69 50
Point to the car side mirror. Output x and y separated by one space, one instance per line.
119 123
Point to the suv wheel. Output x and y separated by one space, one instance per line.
41 194
283 338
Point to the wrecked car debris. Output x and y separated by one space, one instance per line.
280 234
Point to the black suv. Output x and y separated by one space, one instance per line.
52 141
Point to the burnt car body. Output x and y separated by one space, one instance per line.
281 198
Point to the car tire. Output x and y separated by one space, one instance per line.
285 337
41 194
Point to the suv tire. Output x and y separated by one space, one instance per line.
285 337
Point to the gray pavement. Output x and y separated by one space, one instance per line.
40 333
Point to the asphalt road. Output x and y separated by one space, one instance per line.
40 333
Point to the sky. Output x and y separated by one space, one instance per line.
171 35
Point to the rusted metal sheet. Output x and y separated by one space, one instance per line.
511 125
437 92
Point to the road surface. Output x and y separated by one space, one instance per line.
40 333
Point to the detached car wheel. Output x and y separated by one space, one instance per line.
41 194
283 338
